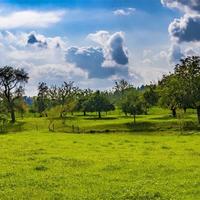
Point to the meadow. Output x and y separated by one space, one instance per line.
158 158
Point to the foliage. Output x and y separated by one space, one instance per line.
98 102
169 89
42 98
12 86
132 103
188 75
150 95
21 106
3 122
182 88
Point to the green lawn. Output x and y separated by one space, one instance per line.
158 158
158 120
99 166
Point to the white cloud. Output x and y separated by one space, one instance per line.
187 6
48 62
113 45
187 28
95 67
185 31
175 54
42 64
30 19
124 12
91 60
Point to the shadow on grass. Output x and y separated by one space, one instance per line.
165 117
146 126
17 127
102 118
163 126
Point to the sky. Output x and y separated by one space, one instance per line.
96 42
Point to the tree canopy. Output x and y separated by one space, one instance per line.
12 86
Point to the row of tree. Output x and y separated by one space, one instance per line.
68 98
177 90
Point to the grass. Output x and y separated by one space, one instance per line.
158 120
101 166
152 160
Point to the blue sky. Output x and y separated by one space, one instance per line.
85 16
142 4
94 36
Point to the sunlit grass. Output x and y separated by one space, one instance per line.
112 158
39 165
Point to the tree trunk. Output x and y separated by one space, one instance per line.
12 111
198 113
173 112
99 114
84 113
134 118
185 109
12 114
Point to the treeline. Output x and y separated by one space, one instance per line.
177 90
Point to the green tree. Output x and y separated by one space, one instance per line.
82 104
169 89
98 102
42 98
118 91
188 75
150 95
63 96
12 87
132 103
21 106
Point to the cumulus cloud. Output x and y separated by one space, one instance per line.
187 28
91 60
32 40
118 52
113 47
185 31
175 54
124 12
108 60
43 64
52 60
192 6
30 19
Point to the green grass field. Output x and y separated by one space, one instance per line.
156 159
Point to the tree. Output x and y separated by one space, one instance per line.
82 103
21 106
98 103
65 96
119 89
169 89
42 98
150 95
132 103
12 87
188 74
182 88
121 86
